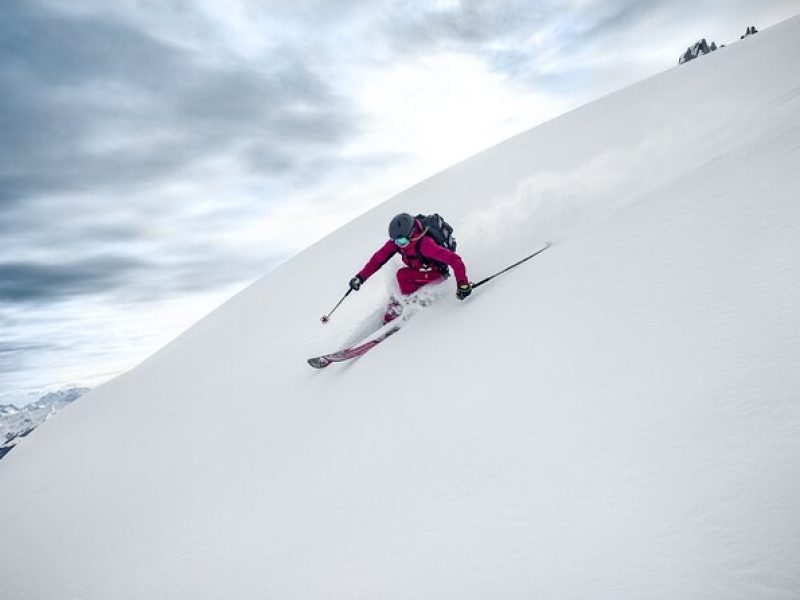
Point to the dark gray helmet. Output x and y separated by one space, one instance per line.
401 226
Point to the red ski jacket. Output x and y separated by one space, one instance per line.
422 253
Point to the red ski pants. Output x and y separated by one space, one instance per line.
411 280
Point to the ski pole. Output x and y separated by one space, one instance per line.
326 318
508 268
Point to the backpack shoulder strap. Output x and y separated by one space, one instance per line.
418 248
429 262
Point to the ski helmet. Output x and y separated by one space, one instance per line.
401 226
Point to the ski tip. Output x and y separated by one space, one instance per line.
318 362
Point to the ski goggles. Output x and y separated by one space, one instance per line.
402 241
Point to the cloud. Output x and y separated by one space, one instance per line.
13 354
126 143
91 103
120 264
27 281
565 47
496 30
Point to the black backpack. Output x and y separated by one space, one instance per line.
442 233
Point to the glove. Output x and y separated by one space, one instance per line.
356 282
464 290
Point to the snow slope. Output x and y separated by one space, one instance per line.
618 418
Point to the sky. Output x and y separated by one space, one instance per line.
157 156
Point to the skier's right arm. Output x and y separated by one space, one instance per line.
380 258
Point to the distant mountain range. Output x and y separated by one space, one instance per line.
16 423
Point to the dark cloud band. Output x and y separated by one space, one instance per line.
32 282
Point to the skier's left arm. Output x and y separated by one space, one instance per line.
431 250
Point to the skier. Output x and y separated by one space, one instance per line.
426 262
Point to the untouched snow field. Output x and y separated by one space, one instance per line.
618 418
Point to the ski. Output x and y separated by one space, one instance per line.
365 344
320 362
